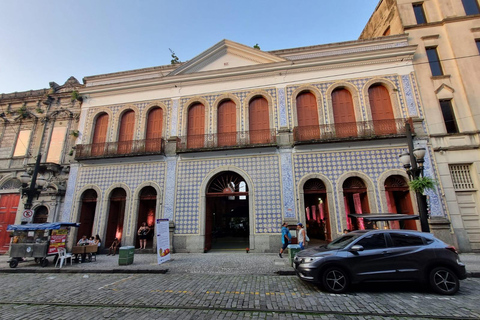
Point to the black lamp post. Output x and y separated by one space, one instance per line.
36 184
413 163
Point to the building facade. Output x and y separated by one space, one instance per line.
232 143
447 65
36 124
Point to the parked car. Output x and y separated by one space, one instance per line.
382 255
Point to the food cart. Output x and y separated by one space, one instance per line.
38 241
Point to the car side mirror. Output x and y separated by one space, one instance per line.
356 248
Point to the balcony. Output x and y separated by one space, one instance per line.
119 149
350 131
233 140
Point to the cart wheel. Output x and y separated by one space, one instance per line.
44 262
13 263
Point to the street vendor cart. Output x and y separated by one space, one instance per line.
38 241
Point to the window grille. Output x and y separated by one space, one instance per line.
462 180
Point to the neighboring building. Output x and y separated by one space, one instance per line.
235 141
36 122
447 65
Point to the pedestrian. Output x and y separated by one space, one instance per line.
286 238
113 248
142 234
302 235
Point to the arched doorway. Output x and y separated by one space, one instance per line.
227 213
125 134
87 213
344 113
316 210
146 213
227 124
40 215
116 215
100 135
382 111
307 117
356 201
399 201
8 211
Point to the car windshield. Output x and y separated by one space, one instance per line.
343 241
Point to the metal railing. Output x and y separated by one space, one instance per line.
227 140
119 149
350 130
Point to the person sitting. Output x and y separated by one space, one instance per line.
113 248
83 241
91 240
97 241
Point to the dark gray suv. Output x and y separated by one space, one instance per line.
382 255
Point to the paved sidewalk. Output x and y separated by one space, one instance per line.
227 263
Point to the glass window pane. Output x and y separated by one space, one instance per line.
434 61
419 13
56 144
375 241
448 116
471 7
478 44
22 143
406 240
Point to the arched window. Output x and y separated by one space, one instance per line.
40 215
259 121
307 117
196 126
382 112
227 123
343 113
154 130
125 135
100 135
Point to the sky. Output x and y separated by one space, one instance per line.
50 40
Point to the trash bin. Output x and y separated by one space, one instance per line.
292 251
125 255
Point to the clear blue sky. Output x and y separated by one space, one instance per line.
43 41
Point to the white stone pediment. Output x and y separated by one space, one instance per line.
224 55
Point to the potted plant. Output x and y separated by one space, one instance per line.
76 96
421 184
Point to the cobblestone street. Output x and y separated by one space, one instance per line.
206 296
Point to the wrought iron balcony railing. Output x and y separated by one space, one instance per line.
119 149
227 140
350 130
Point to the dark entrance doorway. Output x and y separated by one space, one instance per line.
316 211
399 201
356 201
227 225
116 215
87 213
40 215
146 213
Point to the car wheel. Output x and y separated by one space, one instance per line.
444 281
335 280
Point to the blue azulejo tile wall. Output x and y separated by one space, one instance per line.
262 171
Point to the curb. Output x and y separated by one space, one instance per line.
131 271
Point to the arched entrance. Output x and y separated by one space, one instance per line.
316 210
40 215
8 211
227 213
116 215
87 213
356 201
146 213
399 201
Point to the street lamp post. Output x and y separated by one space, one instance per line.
413 163
36 184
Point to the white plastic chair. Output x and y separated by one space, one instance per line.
63 256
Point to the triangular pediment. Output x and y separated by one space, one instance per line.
225 55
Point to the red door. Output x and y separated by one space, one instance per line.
154 130
196 126
382 112
125 136
227 124
8 212
259 121
307 116
100 135
343 114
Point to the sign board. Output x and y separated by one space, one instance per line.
27 215
58 239
163 240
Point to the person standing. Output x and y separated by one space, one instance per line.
302 235
286 238
142 234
